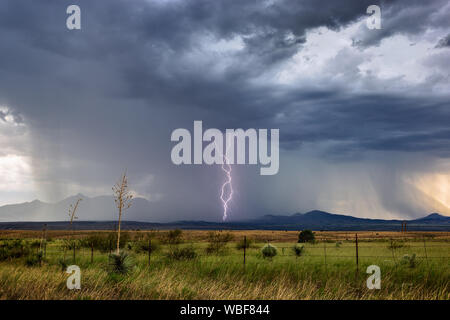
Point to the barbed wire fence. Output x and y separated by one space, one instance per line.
326 251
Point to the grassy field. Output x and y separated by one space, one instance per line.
326 269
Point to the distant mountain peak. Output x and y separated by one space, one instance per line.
317 212
434 216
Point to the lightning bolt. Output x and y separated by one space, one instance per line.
225 196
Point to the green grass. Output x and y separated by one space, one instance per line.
324 271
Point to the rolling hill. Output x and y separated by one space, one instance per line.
99 213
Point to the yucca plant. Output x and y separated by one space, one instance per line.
410 260
120 263
122 198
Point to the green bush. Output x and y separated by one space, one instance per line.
306 236
218 241
186 253
69 244
105 242
298 250
34 244
241 244
269 251
12 249
396 245
34 259
173 237
141 246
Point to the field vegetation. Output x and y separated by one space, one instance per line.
175 264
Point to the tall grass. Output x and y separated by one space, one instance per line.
225 277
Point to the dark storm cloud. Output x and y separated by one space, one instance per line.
130 50
374 122
115 25
406 17
444 42
108 96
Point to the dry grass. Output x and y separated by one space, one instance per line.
223 276
174 283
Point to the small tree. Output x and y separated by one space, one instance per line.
72 212
306 236
72 216
122 198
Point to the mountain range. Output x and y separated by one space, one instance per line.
99 213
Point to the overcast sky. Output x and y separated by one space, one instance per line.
363 114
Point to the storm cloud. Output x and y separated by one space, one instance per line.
363 114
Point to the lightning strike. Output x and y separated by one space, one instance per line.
224 196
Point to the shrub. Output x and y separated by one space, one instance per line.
410 260
35 244
298 250
104 242
34 259
173 237
240 244
96 241
186 253
338 244
269 251
396 245
120 263
11 249
69 244
63 264
141 246
218 241
306 236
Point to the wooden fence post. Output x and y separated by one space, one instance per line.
245 247
45 240
393 255
357 256
325 254
92 252
426 255
149 251
74 249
